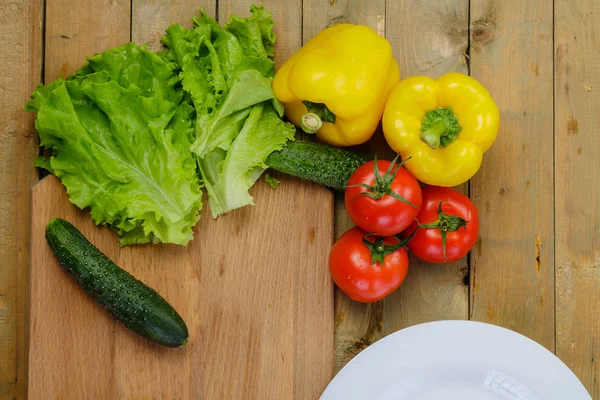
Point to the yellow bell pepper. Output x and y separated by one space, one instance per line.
441 126
336 85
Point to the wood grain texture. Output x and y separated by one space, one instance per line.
429 37
429 292
355 325
251 336
20 72
73 31
79 29
512 269
312 325
577 167
252 319
151 18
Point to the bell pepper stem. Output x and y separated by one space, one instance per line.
432 136
439 127
310 123
316 114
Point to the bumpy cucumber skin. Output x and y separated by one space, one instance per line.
129 300
316 162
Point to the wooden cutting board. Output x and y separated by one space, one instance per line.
253 288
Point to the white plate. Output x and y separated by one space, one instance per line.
462 360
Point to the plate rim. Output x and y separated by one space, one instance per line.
456 322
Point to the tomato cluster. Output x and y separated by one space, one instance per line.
392 213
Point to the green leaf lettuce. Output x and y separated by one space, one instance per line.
227 72
119 130
133 135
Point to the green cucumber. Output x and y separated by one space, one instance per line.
129 300
316 162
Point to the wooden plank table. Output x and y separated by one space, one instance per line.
536 267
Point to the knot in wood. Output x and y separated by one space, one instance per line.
482 35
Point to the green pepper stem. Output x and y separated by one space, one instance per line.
432 136
316 114
439 127
310 123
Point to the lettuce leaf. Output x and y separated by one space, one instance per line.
229 175
120 131
134 134
227 72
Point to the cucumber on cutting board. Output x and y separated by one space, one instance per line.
129 300
316 162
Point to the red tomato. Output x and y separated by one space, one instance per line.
368 274
382 197
445 212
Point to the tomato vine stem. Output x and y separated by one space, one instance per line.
445 223
383 184
379 250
